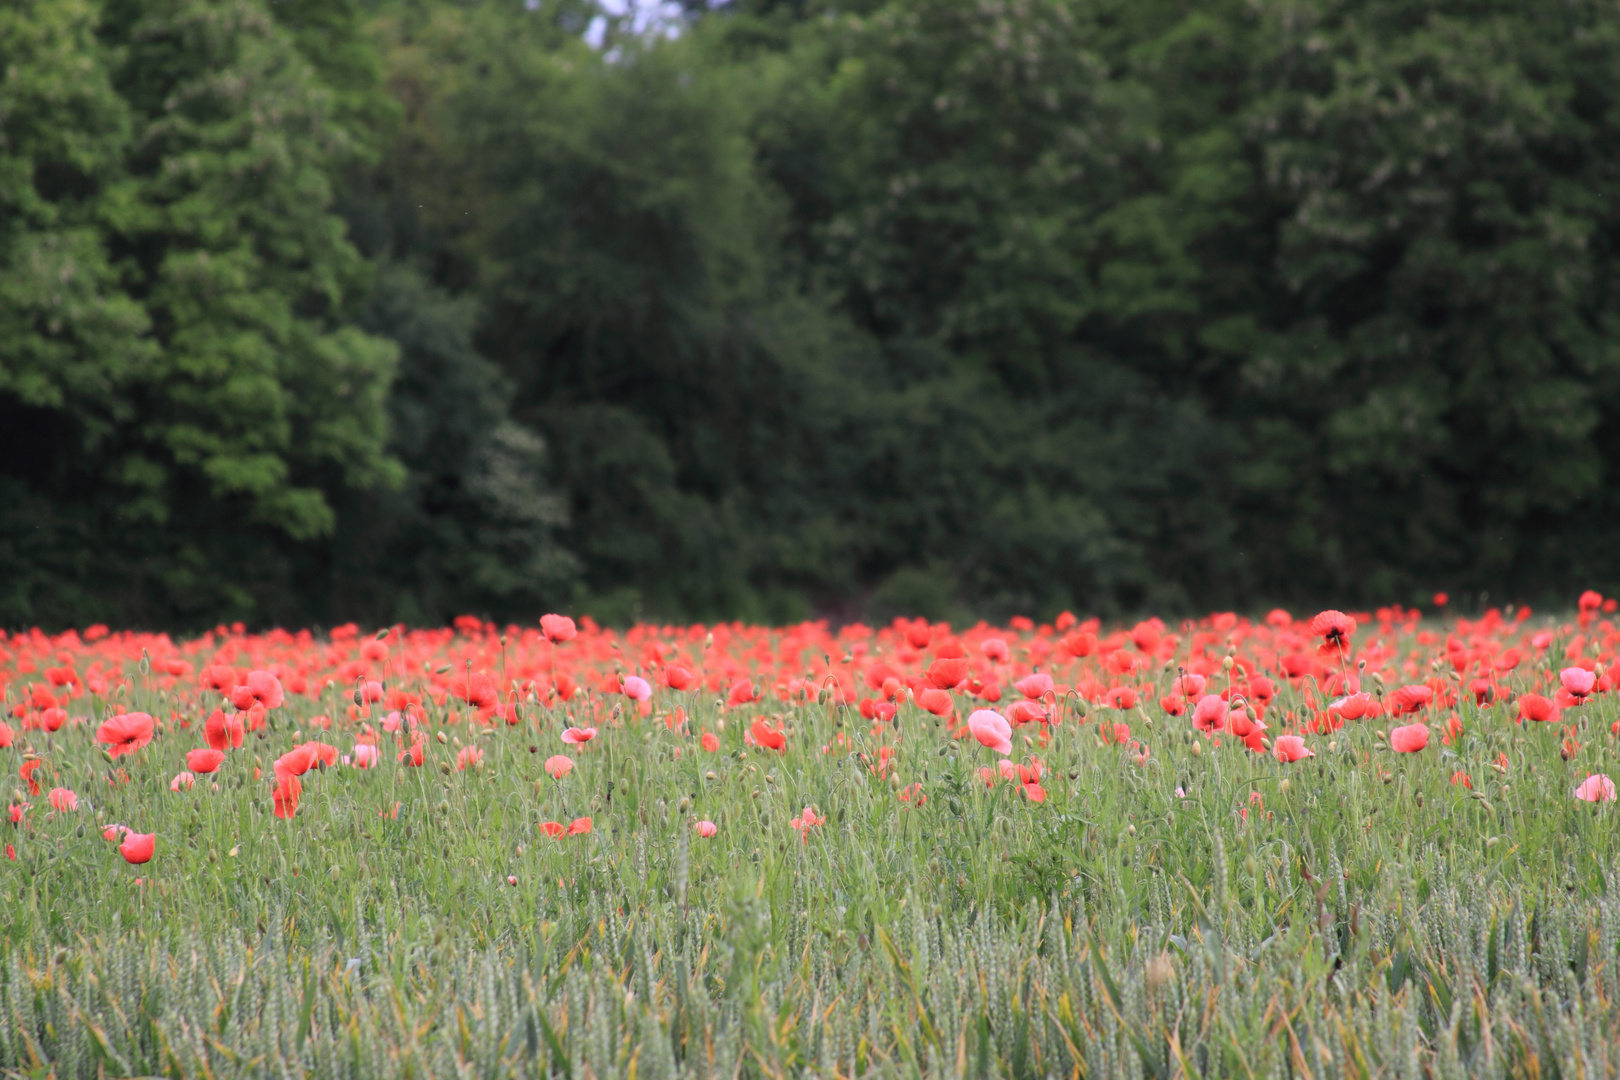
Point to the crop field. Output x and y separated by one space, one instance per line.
1339 844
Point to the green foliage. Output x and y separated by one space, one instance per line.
813 307
194 392
1441 321
474 523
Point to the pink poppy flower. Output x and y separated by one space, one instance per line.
1291 748
1595 788
1409 739
991 729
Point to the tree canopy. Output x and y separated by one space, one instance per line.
312 311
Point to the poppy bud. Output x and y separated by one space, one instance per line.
442 739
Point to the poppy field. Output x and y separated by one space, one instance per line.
1321 844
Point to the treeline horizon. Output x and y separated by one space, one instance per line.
319 311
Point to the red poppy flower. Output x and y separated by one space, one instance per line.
297 761
137 847
1335 628
285 797
1409 699
265 688
223 732
679 677
948 672
1536 708
767 736
557 628
476 689
204 761
1036 686
27 770
1121 697
127 733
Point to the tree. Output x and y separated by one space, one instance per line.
71 340
473 527
194 449
1432 362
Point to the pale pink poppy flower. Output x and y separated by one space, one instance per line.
1035 686
1595 788
1210 713
1409 739
991 729
1353 707
1291 748
1578 681
1191 685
